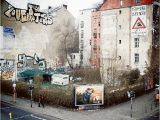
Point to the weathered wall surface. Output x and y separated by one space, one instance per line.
31 37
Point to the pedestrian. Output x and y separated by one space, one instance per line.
41 101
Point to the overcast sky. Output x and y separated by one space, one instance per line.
73 5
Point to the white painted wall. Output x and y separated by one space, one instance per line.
145 42
85 15
111 33
75 59
114 27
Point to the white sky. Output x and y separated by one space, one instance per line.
73 5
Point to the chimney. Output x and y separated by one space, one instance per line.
65 6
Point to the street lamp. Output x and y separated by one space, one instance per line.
131 94
31 89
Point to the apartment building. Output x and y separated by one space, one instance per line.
126 36
85 37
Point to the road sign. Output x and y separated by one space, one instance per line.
138 20
138 24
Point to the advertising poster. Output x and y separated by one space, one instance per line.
89 95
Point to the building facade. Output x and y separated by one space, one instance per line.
32 32
126 36
85 37
95 39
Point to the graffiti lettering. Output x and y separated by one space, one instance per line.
25 61
32 14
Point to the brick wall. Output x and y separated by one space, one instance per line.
113 4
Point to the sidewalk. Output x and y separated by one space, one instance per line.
142 106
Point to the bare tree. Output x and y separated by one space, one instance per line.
65 41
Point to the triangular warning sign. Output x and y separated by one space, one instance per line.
138 24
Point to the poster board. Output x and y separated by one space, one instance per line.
88 95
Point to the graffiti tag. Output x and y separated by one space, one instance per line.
32 14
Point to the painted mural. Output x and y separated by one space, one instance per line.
32 14
28 62
6 68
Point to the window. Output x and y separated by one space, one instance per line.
120 26
0 64
121 2
99 35
119 57
137 1
82 33
82 24
99 24
136 41
95 35
136 56
120 11
119 41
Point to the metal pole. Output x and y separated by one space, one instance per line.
1 74
31 98
131 107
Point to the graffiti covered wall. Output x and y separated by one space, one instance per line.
34 29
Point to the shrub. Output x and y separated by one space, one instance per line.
88 75
65 96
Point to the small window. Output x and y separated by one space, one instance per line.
137 1
82 34
120 26
82 24
99 35
136 41
120 11
0 64
95 35
119 57
119 41
121 2
99 24
136 56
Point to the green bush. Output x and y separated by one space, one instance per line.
65 96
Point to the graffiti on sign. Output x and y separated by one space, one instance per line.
32 14
25 61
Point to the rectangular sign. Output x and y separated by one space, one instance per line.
89 95
138 20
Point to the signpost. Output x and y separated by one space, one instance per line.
131 94
31 88
14 92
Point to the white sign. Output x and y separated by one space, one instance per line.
138 20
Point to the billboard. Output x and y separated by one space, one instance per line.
89 95
138 20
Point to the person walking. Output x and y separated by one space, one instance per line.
41 101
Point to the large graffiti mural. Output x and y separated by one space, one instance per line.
26 61
32 14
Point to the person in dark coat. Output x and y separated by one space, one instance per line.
41 101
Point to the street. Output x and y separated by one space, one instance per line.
19 114
155 116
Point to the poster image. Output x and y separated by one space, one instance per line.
89 95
